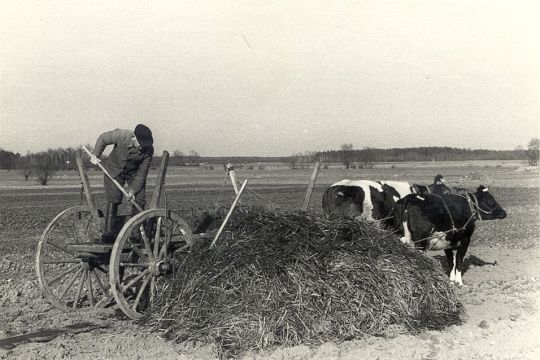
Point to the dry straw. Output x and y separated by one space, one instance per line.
289 278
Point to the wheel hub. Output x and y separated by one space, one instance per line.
159 268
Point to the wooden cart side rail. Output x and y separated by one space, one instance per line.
311 185
160 181
88 193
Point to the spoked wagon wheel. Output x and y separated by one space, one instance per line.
69 278
142 254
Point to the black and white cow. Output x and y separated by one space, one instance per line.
445 222
372 200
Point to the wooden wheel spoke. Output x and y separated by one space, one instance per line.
162 253
79 291
90 290
152 289
100 269
146 242
71 282
67 261
60 247
135 279
140 292
74 227
63 274
136 249
100 284
87 228
140 265
105 301
158 237
65 231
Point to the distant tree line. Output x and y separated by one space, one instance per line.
44 164
178 158
368 155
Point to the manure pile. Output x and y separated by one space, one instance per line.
289 278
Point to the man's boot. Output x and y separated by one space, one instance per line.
111 215
136 234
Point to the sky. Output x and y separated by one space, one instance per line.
270 78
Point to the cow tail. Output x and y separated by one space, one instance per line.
402 214
326 201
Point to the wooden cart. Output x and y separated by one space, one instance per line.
76 272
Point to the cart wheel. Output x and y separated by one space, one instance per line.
71 280
142 254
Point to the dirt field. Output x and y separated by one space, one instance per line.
502 282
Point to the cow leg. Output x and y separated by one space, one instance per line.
406 238
455 261
460 255
450 258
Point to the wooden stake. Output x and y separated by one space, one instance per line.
233 206
232 174
311 185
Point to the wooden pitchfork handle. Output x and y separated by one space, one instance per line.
120 187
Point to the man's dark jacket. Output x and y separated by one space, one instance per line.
125 156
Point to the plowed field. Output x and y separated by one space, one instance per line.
502 281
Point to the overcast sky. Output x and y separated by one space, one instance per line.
269 78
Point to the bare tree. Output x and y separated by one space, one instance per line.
533 151
193 157
178 154
295 159
26 172
177 158
43 164
347 154
368 157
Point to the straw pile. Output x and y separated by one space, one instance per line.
290 278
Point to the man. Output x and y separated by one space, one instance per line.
129 161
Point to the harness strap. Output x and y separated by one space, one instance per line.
448 231
475 200
448 211
471 202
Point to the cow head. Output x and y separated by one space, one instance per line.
439 179
489 209
343 200
439 187
390 197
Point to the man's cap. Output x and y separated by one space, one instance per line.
144 135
